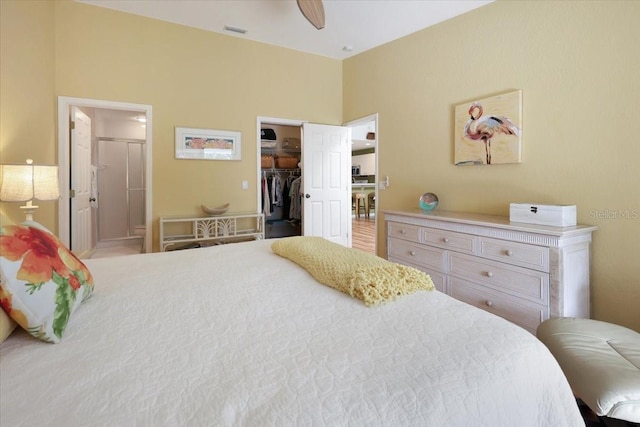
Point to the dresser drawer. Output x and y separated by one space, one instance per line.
521 312
515 253
521 282
415 254
404 231
439 279
448 239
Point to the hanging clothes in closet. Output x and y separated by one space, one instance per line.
266 200
295 195
278 192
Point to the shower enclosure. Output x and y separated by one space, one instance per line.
119 195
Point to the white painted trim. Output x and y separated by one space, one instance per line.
64 105
363 120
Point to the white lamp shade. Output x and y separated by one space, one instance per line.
45 183
21 183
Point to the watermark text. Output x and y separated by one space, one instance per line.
614 213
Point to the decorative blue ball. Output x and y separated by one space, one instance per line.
428 202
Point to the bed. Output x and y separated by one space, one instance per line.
235 335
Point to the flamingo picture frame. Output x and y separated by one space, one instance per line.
488 131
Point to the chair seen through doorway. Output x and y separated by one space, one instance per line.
359 202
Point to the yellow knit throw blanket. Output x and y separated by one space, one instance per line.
362 275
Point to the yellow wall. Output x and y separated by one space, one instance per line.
192 78
578 68
27 101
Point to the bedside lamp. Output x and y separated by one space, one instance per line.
23 183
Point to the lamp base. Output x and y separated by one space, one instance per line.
29 209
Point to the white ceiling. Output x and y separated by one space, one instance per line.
358 24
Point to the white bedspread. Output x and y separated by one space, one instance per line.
235 335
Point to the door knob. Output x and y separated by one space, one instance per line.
92 199
307 195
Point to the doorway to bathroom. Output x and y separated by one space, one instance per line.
105 173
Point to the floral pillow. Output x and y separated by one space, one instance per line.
41 282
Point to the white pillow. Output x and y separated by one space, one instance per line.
41 282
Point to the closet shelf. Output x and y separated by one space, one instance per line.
267 150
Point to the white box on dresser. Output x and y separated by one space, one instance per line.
525 273
553 215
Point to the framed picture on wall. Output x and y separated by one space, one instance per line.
208 144
489 131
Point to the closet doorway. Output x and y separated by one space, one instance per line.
365 184
322 203
280 179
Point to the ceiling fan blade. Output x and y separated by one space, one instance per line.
313 10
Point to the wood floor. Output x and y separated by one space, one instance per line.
364 233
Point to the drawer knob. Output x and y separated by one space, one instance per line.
489 274
489 303
508 252
412 253
403 232
446 240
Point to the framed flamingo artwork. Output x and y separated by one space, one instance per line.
489 131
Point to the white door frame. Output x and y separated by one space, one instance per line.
361 121
64 161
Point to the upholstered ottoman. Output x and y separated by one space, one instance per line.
601 362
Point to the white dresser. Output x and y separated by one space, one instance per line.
525 273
